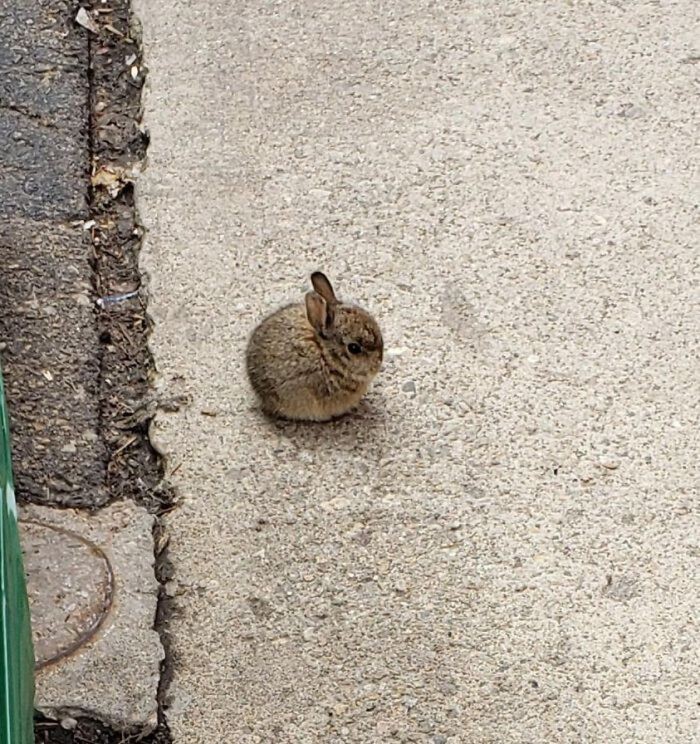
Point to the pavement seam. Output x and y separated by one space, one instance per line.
163 501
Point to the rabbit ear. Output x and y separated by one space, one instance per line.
318 312
324 287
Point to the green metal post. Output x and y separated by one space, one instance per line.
16 652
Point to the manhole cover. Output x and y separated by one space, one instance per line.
69 583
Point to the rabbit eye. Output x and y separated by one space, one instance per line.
354 348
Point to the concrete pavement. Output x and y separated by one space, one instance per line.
501 546
93 596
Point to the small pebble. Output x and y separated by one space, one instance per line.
171 588
68 723
409 387
586 471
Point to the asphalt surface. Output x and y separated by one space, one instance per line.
77 377
43 118
501 546
47 321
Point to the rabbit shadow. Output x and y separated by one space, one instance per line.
365 426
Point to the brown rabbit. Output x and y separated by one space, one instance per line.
314 361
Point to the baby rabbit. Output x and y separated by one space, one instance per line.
314 361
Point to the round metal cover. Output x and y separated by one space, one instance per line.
69 583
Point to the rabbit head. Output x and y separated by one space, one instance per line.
348 335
